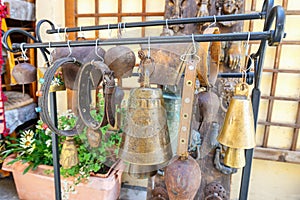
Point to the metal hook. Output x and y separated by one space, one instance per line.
81 32
124 27
119 30
66 35
149 48
24 56
193 53
96 50
69 47
108 28
167 26
247 45
215 21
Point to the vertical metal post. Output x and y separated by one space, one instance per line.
53 111
244 188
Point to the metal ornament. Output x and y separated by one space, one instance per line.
69 154
142 171
215 191
238 128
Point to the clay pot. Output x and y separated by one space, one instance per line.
36 184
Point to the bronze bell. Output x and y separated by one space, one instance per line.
146 138
142 171
24 73
69 154
238 129
120 60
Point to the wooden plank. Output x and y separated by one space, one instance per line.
70 12
277 155
296 130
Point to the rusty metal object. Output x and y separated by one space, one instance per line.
69 154
183 178
24 73
167 67
81 54
215 191
146 139
120 60
159 193
238 128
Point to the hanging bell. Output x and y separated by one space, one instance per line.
146 138
24 73
120 60
142 171
238 128
234 158
182 178
69 154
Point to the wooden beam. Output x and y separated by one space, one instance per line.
277 155
70 12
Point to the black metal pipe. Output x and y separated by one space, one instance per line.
153 40
235 17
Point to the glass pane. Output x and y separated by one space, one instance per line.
280 137
259 135
129 6
86 21
284 112
108 6
288 85
291 28
132 32
290 58
155 6
263 108
293 5
85 6
153 30
112 33
266 83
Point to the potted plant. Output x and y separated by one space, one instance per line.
30 156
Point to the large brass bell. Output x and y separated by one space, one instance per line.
146 138
238 129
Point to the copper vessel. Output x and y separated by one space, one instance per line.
146 138
182 178
120 60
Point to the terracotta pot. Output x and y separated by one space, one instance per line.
37 185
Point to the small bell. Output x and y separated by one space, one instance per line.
69 155
238 128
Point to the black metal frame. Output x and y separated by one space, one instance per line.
273 37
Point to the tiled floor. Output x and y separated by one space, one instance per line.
8 191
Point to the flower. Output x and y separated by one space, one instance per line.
27 134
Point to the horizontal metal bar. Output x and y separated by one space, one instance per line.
122 25
153 40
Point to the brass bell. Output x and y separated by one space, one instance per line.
238 129
69 154
146 138
142 171
234 158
